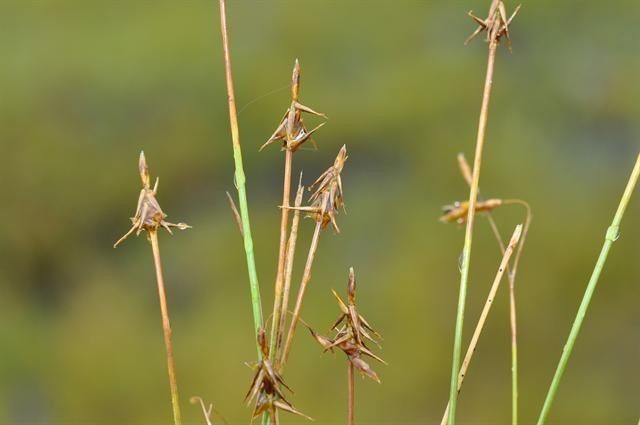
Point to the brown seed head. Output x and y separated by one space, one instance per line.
496 24
291 130
149 215
458 211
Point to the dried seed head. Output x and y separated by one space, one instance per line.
149 215
351 331
458 211
265 386
291 130
496 24
328 197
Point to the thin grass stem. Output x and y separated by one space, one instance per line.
282 251
240 179
351 385
612 234
306 277
291 251
166 327
466 252
511 275
483 316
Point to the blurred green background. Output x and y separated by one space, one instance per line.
86 85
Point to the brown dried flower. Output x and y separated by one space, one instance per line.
265 387
496 24
352 329
148 216
291 130
458 210
327 198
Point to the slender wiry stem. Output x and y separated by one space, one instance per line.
306 277
514 352
284 221
352 393
166 327
511 275
466 252
613 232
485 312
291 251
240 179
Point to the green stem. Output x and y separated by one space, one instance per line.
240 180
514 354
613 232
466 252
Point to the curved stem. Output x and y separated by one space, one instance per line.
166 327
613 232
511 274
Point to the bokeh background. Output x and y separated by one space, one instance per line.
86 85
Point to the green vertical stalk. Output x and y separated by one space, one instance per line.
613 232
240 180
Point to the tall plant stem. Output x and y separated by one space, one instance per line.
612 234
284 221
485 312
288 274
466 252
166 327
514 352
511 275
240 180
306 277
351 385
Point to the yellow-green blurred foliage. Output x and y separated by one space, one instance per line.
86 85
